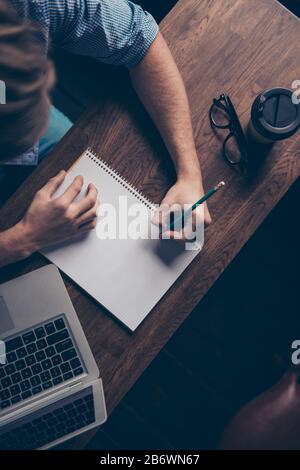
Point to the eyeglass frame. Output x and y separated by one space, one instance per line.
234 126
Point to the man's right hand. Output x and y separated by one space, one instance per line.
49 220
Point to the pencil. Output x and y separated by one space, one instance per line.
187 213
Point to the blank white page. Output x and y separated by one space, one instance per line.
128 277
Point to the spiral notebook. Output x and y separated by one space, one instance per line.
127 276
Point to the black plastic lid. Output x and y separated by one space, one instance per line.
274 115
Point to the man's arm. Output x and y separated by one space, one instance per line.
12 246
120 32
50 220
160 87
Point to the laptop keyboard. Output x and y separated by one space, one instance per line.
38 360
51 423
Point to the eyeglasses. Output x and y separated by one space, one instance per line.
222 115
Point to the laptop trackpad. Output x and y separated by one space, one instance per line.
6 322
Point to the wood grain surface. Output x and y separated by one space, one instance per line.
240 47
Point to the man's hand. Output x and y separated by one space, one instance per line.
184 193
50 220
160 87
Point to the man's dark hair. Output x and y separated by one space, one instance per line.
28 76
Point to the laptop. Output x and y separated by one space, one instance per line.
50 389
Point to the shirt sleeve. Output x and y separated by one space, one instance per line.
116 32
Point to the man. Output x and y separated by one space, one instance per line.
115 32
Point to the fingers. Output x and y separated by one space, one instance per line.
89 216
88 226
156 218
170 235
207 216
193 228
54 183
160 215
165 214
72 191
88 202
198 217
181 237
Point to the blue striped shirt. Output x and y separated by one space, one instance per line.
116 32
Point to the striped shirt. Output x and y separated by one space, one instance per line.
116 32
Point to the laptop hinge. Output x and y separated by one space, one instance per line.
42 399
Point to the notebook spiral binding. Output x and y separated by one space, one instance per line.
114 174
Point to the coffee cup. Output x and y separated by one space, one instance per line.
274 116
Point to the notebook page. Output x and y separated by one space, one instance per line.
128 277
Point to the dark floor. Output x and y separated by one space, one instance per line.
233 346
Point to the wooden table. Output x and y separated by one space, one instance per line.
236 46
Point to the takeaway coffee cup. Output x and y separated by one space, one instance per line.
274 116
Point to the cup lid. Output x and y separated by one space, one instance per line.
274 115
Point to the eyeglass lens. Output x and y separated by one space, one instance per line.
231 150
220 116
